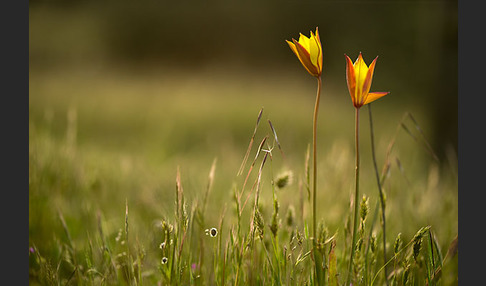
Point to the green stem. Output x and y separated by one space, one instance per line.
356 205
314 178
382 197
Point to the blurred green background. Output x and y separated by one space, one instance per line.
416 42
121 93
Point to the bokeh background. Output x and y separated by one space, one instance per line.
122 93
416 42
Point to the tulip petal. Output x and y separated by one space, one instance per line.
369 77
304 41
319 60
360 70
351 79
292 47
372 96
304 58
314 51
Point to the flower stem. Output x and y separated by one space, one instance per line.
382 197
356 205
314 182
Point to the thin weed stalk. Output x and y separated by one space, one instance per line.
260 148
242 166
380 190
209 186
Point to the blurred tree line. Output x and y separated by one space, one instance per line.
417 41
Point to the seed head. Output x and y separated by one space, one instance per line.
373 243
164 260
359 243
364 208
290 216
284 179
417 245
398 243
185 218
420 233
259 223
275 220
417 241
322 236
406 274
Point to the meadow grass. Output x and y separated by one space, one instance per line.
140 179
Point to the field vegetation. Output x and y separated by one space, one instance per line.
167 174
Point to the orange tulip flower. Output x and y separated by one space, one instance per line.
309 52
359 76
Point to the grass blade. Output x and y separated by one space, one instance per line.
242 166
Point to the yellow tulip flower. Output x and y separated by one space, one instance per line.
358 77
309 52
